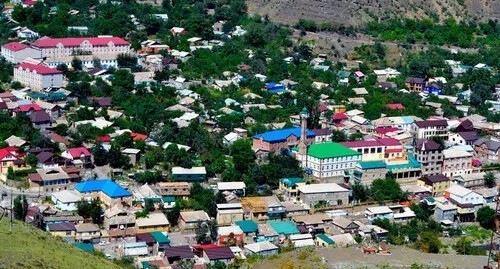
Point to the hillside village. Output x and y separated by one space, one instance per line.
216 142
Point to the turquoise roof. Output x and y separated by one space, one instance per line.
412 164
37 95
372 165
325 238
247 226
292 181
160 238
85 247
107 186
408 119
168 199
284 227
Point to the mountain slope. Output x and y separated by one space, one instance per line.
28 247
357 12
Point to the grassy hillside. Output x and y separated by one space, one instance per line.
28 247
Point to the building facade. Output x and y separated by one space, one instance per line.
430 128
456 162
330 160
16 52
430 155
38 77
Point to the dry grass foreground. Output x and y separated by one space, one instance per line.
29 247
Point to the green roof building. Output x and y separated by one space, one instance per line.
283 227
331 160
248 226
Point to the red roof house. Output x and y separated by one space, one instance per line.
397 106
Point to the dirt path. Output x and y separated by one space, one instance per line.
401 257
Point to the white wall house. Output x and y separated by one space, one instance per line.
16 52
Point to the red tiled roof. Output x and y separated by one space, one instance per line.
104 138
389 141
7 151
137 136
40 69
339 116
476 162
360 144
14 46
28 107
206 246
77 41
397 106
393 150
384 130
77 152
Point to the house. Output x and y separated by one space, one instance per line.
249 227
15 52
218 254
41 119
367 172
467 201
436 183
402 213
273 87
445 212
433 89
343 240
330 159
430 155
384 74
329 193
79 156
430 128
152 223
322 135
314 223
302 240
294 208
10 157
52 179
14 141
176 31
275 209
267 233
119 222
194 174
37 76
274 141
178 253
66 200
189 219
370 150
133 154
62 229
289 186
462 138
106 190
473 180
237 187
229 213
181 189
396 106
168 202
359 76
379 212
230 235
264 248
87 232
323 241
283 228
487 150
254 208
135 249
456 162
415 84
386 85
100 101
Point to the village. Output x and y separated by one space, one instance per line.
150 153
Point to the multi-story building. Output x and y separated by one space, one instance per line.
467 201
52 179
38 77
63 50
229 213
119 221
371 150
430 128
437 184
487 150
329 160
456 162
415 84
275 210
328 193
181 189
367 172
430 155
289 186
16 52
107 191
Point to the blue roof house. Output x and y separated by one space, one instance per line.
274 141
433 89
106 190
273 87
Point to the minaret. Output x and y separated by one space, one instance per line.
303 134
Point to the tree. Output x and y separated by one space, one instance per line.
429 242
149 205
32 160
202 236
90 210
20 207
486 217
463 246
359 191
76 64
243 155
338 136
490 180
100 155
126 60
173 214
422 211
387 189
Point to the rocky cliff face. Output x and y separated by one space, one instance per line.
356 12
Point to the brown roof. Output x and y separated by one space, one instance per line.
435 178
431 123
426 145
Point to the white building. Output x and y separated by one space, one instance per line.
63 50
456 162
327 160
38 77
66 200
16 52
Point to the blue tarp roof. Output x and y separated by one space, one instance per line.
408 119
107 186
281 135
85 247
